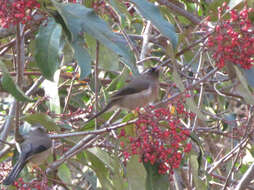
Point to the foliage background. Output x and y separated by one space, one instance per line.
61 67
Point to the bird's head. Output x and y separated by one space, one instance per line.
153 72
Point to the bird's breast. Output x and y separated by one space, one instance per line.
139 99
40 158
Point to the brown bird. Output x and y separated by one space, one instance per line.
139 92
35 149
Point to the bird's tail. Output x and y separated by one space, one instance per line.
107 107
15 171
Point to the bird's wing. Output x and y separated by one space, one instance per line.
133 87
35 146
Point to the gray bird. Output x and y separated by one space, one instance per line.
35 148
139 92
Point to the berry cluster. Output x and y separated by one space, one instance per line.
160 137
16 11
35 184
233 39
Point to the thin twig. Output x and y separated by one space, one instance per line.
130 43
231 170
96 80
20 51
70 90
188 15
241 144
222 178
5 142
189 87
246 178
35 85
144 49
83 143
201 63
98 131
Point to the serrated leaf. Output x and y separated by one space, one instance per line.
243 88
43 119
64 173
154 180
136 174
79 19
48 46
9 85
152 13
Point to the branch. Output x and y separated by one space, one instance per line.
195 20
99 131
245 180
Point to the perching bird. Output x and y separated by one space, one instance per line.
35 149
139 92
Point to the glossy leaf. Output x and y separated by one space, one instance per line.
108 60
47 48
9 85
82 57
78 19
152 13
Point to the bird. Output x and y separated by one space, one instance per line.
35 149
137 93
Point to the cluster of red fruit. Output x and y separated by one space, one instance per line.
160 137
233 39
16 11
35 184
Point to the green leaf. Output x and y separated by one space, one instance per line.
64 174
154 180
243 87
102 172
43 119
108 60
201 153
78 19
82 57
136 174
195 171
9 85
48 46
103 156
152 13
